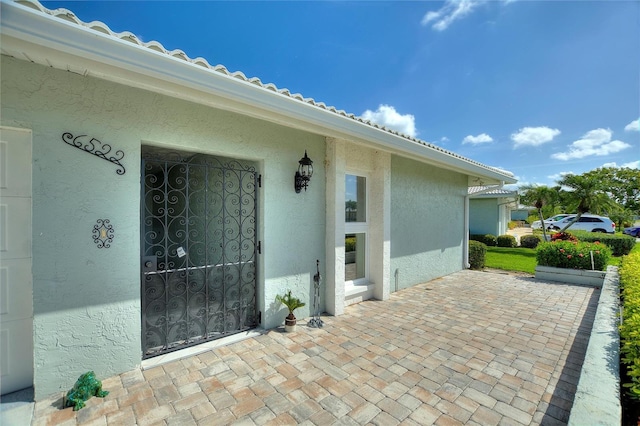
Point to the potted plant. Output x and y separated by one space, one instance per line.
292 303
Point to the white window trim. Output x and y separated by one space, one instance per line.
360 228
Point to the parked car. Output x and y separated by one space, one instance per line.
587 222
634 231
536 224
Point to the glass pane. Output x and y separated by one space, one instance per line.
354 256
355 199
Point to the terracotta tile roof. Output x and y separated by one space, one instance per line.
127 36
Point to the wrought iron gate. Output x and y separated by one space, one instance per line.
198 243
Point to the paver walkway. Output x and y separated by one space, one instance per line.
470 348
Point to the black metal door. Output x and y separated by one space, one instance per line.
198 242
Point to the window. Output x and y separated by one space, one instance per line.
356 229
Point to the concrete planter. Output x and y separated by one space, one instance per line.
571 276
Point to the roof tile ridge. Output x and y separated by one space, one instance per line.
158 47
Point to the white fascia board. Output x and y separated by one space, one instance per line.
142 67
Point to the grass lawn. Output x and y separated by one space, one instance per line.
524 259
511 259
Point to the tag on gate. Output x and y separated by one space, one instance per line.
181 252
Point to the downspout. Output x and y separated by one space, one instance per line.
465 246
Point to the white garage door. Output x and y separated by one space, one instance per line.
16 287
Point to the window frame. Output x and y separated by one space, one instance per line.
359 227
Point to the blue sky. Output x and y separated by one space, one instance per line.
539 88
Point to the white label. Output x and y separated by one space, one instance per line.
181 252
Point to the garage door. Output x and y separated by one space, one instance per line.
16 288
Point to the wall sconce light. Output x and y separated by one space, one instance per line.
304 173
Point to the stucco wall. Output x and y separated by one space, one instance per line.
87 300
483 216
427 222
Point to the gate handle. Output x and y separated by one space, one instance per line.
148 264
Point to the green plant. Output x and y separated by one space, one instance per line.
506 241
349 244
487 239
477 252
513 224
530 241
630 328
292 303
573 255
619 244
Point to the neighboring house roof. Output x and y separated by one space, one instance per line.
491 191
57 38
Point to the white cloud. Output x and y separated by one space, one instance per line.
475 140
533 136
452 10
444 139
387 116
594 143
560 175
634 126
631 165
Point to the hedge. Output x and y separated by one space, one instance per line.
477 253
506 241
573 255
530 241
621 245
487 239
630 328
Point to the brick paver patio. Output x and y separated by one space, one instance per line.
470 348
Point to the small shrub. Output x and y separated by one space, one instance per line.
350 244
487 239
477 254
506 241
490 240
532 218
620 245
573 255
563 236
629 336
530 241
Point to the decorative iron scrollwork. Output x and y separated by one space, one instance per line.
95 147
103 233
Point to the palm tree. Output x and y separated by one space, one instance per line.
539 196
585 194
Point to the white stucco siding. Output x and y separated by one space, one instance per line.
484 216
87 300
427 222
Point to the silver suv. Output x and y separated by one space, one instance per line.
587 222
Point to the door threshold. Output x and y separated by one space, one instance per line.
198 349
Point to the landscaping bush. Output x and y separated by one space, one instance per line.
563 236
477 253
573 255
487 239
530 241
630 328
532 218
350 244
620 245
506 241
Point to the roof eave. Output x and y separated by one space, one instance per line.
86 51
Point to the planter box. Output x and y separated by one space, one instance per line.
571 276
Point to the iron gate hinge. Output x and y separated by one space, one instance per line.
259 181
259 247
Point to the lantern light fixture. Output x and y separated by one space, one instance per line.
304 173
